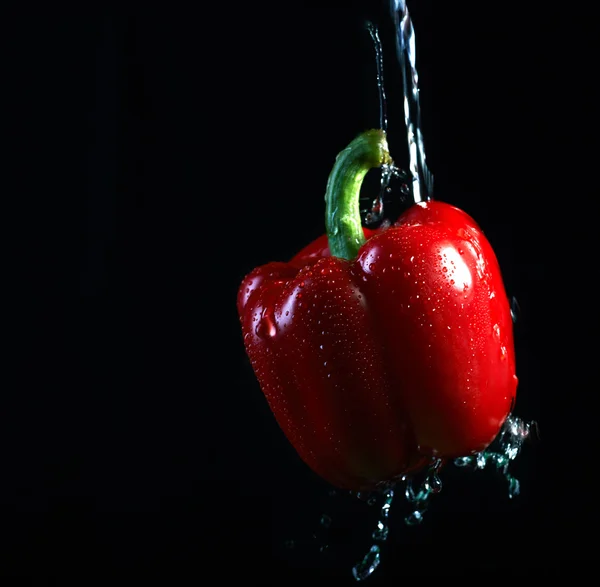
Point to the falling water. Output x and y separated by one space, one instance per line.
422 179
369 563
383 123
374 214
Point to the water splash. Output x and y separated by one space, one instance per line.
502 452
417 490
422 179
374 213
418 494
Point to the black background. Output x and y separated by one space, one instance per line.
156 157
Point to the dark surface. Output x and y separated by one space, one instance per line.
158 157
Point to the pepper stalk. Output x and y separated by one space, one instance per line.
342 211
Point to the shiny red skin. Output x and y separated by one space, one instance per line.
372 367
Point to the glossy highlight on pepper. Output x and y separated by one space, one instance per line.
392 350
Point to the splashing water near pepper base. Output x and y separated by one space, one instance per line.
501 453
415 493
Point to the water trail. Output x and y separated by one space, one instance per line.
371 561
422 179
383 123
375 213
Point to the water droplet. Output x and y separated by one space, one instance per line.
414 518
266 328
515 310
463 461
514 487
434 483
385 508
325 521
381 533
367 566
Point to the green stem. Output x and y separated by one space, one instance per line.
342 212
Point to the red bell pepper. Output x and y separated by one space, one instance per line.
380 350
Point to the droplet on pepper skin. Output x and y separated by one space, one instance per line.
266 328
